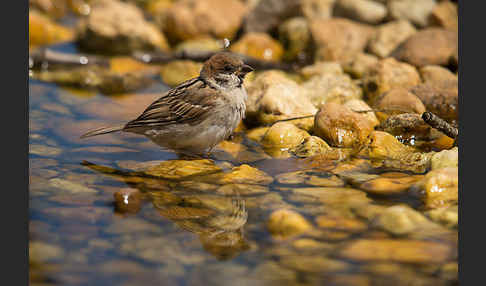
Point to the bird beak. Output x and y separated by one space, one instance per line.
245 69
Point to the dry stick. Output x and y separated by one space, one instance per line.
45 58
440 124
201 56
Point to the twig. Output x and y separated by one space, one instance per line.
201 56
440 124
46 58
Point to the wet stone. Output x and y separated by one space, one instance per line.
341 223
408 251
313 264
242 189
439 187
389 186
446 216
179 169
445 158
285 223
128 200
402 220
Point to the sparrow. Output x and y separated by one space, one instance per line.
196 115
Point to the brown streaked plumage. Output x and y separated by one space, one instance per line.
196 115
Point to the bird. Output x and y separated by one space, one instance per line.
193 117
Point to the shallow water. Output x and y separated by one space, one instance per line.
191 231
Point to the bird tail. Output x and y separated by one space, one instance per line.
103 130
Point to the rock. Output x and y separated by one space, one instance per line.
242 189
71 187
339 126
439 187
331 196
388 74
243 174
256 134
268 14
403 220
180 169
189 19
360 105
431 46
359 64
442 101
272 96
445 159
389 36
306 244
366 11
445 15
285 223
295 36
446 216
330 87
43 31
407 127
438 76
339 39
317 9
119 28
313 264
321 68
128 200
404 251
450 272
310 177
258 45
396 101
176 72
341 223
386 151
98 78
43 252
415 11
53 8
205 43
281 137
311 146
389 186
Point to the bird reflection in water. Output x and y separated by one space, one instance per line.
216 217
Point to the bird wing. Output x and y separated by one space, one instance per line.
191 102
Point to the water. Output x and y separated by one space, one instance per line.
193 231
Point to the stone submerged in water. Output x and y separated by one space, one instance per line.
285 223
406 251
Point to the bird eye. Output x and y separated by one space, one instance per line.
228 68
